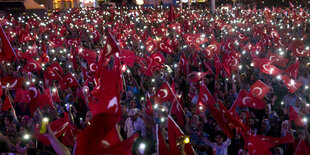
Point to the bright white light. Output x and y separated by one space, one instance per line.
45 119
163 109
162 119
155 106
306 87
305 120
153 80
27 83
279 77
26 136
142 148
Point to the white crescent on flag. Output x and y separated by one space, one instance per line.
259 89
165 93
244 100
112 103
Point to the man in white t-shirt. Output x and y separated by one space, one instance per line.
219 147
134 123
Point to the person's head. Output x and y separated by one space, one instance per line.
278 151
243 115
265 126
285 125
132 103
219 138
251 122
133 114
88 116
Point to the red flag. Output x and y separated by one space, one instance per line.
270 69
112 137
109 49
295 117
124 147
197 76
89 141
59 126
22 96
158 57
260 144
7 51
148 106
32 66
292 70
277 59
183 63
56 67
87 54
291 84
32 51
177 110
302 148
165 48
161 144
171 15
43 100
55 95
164 93
152 67
205 97
12 82
259 89
128 57
107 93
174 132
246 99
150 45
6 104
68 81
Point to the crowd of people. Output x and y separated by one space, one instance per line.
156 80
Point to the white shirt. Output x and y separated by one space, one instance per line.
132 127
219 150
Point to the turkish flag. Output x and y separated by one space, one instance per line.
59 126
270 69
197 76
148 106
298 48
32 51
22 96
165 48
160 142
152 67
12 82
242 37
44 58
68 81
128 57
89 141
177 110
292 70
72 58
55 42
302 148
32 66
277 59
171 15
260 144
183 63
73 42
205 97
218 66
112 137
43 100
150 45
232 121
6 104
7 51
291 84
109 49
164 93
259 89
158 57
295 117
174 132
56 67
123 148
246 99
107 93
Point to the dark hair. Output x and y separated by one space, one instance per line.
219 133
